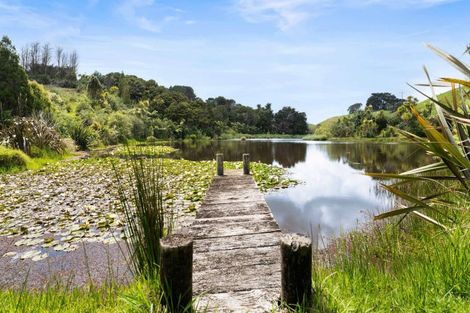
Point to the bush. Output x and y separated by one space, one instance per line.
11 158
26 133
82 135
151 139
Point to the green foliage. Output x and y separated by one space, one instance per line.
39 100
384 101
374 122
140 296
15 92
344 127
187 91
82 135
121 124
417 267
146 218
450 174
12 158
354 108
94 88
289 121
368 129
27 133
151 139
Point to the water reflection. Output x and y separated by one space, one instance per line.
284 153
335 195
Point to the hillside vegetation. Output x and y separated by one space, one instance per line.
107 109
373 122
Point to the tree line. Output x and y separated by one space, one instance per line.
114 107
50 66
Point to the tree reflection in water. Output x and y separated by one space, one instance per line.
335 195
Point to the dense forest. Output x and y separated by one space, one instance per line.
103 109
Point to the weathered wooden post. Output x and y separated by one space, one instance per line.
176 272
220 164
296 269
246 163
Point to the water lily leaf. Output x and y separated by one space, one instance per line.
39 257
29 254
10 254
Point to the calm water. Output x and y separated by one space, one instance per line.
335 196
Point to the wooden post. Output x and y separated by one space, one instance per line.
246 163
296 269
220 164
176 272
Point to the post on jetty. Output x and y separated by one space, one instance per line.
176 271
296 269
246 163
220 164
237 263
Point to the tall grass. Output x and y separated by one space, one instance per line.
140 190
385 268
399 263
141 296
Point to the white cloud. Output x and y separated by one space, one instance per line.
129 9
289 13
285 13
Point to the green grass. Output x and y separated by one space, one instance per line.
141 295
414 267
13 160
323 129
227 136
445 97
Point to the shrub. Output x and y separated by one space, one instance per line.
26 133
82 135
11 158
151 139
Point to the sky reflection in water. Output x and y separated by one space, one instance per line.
335 195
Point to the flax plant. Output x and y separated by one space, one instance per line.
448 178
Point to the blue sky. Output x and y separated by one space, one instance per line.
319 56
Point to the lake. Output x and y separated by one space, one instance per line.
335 196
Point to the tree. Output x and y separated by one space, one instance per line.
73 62
368 129
45 57
58 52
265 118
354 108
15 92
384 101
124 91
94 88
289 121
185 90
344 127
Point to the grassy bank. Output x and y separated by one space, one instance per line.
258 136
384 268
13 160
356 139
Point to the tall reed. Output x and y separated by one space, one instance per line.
140 186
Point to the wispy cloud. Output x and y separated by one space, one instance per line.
285 13
130 10
53 26
290 13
